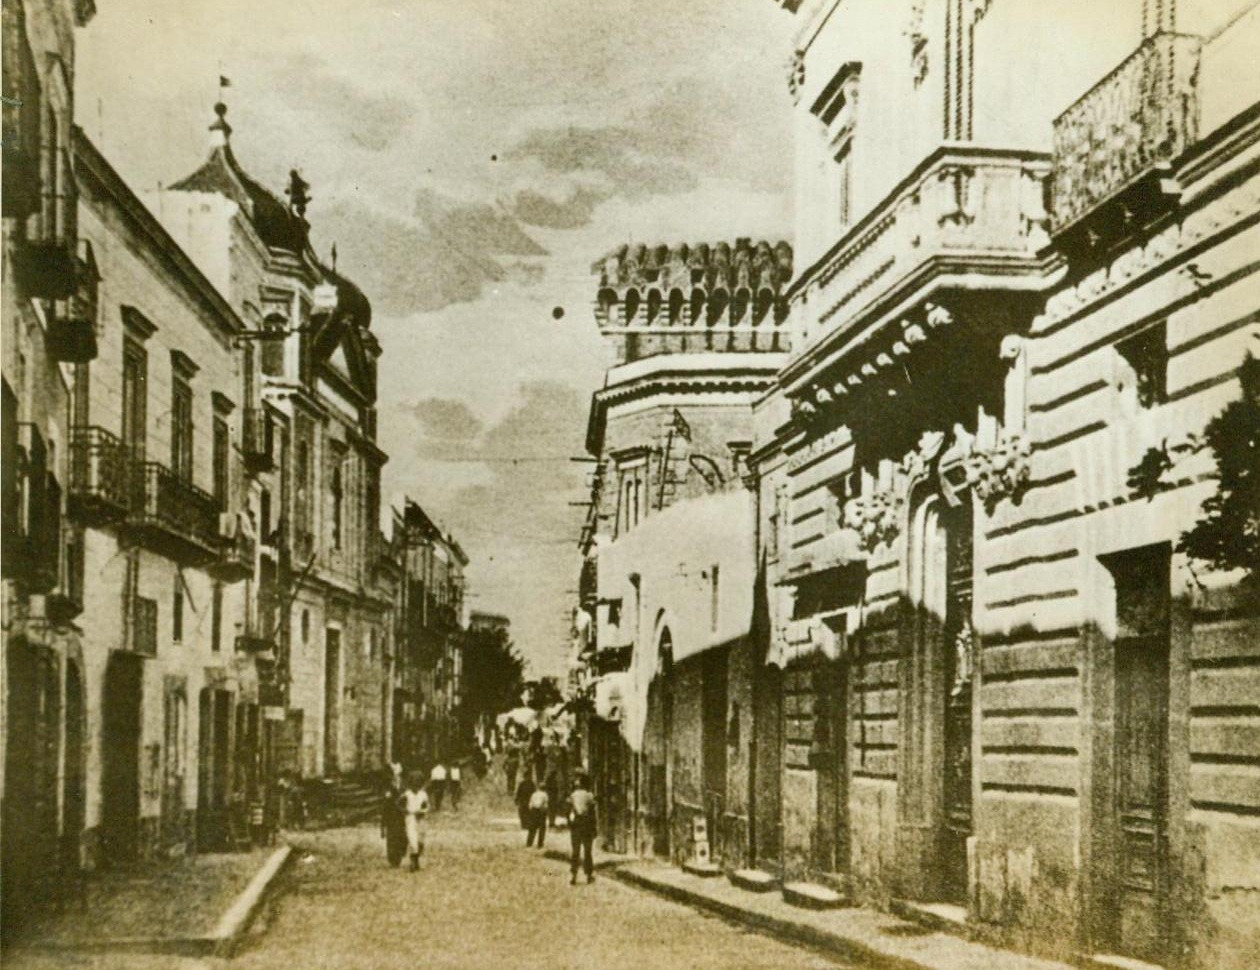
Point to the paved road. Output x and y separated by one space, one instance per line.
481 900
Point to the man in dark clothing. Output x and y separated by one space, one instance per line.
523 792
582 824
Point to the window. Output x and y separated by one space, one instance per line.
843 190
632 495
135 383
264 516
221 463
798 716
1142 367
177 610
181 429
338 496
216 618
273 346
714 597
306 626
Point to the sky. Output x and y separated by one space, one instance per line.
471 159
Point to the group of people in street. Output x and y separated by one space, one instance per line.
406 802
538 808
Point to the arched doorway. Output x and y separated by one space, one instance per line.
935 793
656 746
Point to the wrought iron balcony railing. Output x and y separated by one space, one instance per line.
1135 120
98 475
178 518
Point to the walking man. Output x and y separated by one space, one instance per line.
582 825
539 809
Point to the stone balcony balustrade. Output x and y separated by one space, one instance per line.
966 219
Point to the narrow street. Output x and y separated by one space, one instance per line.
482 900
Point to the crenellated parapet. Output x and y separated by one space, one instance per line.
684 298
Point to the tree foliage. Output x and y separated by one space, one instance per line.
1228 534
543 693
494 673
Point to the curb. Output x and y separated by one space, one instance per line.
221 941
846 948
233 924
562 855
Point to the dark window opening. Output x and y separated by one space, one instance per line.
1145 365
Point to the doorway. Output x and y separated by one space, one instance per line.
1139 813
214 790
713 726
657 747
332 699
120 740
935 803
30 799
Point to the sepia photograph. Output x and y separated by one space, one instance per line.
617 485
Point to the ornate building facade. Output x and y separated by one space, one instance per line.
1003 689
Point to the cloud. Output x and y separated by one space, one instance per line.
613 151
372 121
447 428
572 212
448 255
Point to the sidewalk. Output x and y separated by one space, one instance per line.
862 936
198 905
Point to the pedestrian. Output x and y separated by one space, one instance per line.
539 809
523 793
582 823
393 819
552 783
454 785
511 765
415 806
437 785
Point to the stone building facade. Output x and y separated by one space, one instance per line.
48 294
312 427
427 722
1003 689
982 681
668 575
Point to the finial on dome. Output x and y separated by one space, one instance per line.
298 192
220 130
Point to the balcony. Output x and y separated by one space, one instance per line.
98 476
966 219
32 553
258 440
1113 147
47 269
238 551
72 328
176 518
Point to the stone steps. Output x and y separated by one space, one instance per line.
808 895
754 880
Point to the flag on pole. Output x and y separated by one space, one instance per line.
680 426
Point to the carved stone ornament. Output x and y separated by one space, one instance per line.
963 644
875 518
1001 470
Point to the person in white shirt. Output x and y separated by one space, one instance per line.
453 785
539 809
415 806
437 785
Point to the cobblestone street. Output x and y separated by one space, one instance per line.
482 900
